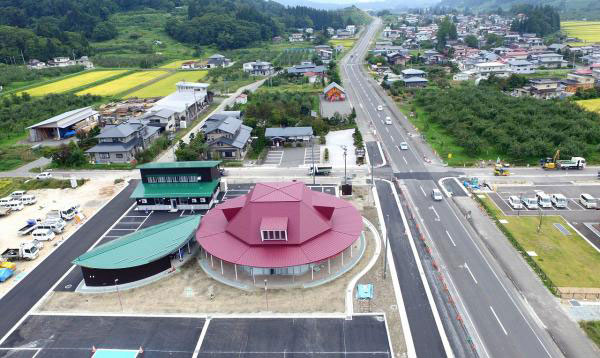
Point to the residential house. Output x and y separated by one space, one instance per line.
462 76
550 60
520 66
542 88
591 58
557 47
412 72
395 58
226 136
163 118
575 81
193 65
307 69
64 125
120 143
61 62
351 29
387 49
258 68
85 62
343 34
498 69
34 64
309 30
277 39
296 37
241 99
188 100
330 31
414 82
218 60
334 92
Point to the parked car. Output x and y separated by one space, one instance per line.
543 199
530 203
436 194
44 176
558 200
28 199
515 202
43 234
13 205
17 194
587 201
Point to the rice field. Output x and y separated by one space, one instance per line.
587 31
167 85
72 83
122 84
347 43
590 104
176 64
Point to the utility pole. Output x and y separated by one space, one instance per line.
312 150
118 293
345 154
386 246
266 295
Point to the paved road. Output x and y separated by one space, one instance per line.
17 302
500 324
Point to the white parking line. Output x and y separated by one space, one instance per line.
406 161
423 191
450 237
497 319
472 276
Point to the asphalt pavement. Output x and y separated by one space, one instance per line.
498 320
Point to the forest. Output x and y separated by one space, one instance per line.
523 129
541 20
230 24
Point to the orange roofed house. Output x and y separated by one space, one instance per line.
334 92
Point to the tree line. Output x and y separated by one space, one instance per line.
10 74
44 29
541 20
523 129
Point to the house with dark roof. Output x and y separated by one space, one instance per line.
414 82
258 68
173 186
121 142
226 135
218 60
278 135
307 69
163 118
412 72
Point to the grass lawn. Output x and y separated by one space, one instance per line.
13 156
72 83
291 87
590 104
569 261
587 31
122 84
176 64
8 185
592 328
167 85
443 143
347 43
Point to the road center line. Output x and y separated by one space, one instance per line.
473 277
497 319
405 161
423 191
450 237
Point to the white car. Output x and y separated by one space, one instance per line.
388 120
587 201
380 108
44 176
515 202
436 194
530 203
559 200
403 146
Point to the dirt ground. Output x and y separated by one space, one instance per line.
90 196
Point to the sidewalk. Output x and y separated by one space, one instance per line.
545 308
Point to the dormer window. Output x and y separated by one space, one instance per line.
274 228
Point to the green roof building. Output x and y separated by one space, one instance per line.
174 186
139 255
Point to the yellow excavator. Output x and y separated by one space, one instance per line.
550 163
499 170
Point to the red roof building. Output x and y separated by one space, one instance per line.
279 225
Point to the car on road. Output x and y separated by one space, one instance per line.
44 176
558 200
403 146
436 194
380 108
515 202
388 120
587 201
530 203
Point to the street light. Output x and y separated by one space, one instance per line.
266 295
118 293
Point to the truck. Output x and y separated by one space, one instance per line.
66 213
573 163
29 227
25 251
320 170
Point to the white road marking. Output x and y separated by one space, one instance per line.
437 217
403 157
387 129
497 319
423 191
472 276
201 338
391 136
360 105
450 237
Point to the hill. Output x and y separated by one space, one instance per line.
569 9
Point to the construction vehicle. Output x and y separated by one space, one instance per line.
500 171
472 183
551 163
320 170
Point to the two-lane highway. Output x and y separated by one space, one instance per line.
501 323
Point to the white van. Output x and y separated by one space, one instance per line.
515 202
388 120
530 203
543 199
17 194
587 201
14 205
28 199
6 200
43 234
56 225
436 194
558 200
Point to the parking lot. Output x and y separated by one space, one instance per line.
50 336
293 157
